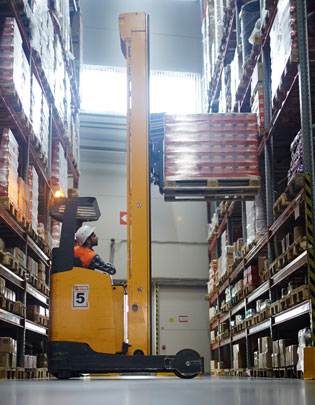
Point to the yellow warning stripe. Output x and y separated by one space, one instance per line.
310 250
156 319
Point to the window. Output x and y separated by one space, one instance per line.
104 90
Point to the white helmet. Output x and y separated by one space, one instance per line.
83 233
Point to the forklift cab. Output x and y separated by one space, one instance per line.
86 333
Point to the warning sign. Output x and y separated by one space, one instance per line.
182 318
123 218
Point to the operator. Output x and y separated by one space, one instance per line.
90 260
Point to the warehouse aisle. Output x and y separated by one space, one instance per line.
153 391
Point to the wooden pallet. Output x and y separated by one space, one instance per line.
281 204
238 372
7 374
275 308
264 314
261 372
265 275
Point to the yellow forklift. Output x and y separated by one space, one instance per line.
87 332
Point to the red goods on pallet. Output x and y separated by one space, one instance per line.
251 276
210 146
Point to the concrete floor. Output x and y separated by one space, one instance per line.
153 391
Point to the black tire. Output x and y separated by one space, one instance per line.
63 374
193 355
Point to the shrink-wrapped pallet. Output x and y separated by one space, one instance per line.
14 66
36 107
59 89
34 193
23 198
210 146
42 37
9 155
283 42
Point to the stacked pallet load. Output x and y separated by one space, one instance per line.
212 277
214 156
257 96
34 194
8 351
283 44
9 154
15 76
59 181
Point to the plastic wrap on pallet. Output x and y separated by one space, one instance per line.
36 107
14 66
210 146
250 13
255 218
59 90
34 193
9 155
283 40
42 37
62 14
67 105
23 198
218 16
59 168
305 340
236 73
45 116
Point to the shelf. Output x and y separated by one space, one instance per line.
36 294
37 250
237 271
213 299
239 336
225 317
214 324
33 327
12 277
260 327
293 313
10 318
262 289
8 219
289 269
215 346
238 308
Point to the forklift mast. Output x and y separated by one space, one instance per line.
134 34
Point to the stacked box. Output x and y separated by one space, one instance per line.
237 251
283 41
9 295
236 75
45 117
42 38
296 149
23 198
255 219
59 170
210 146
256 359
30 361
14 66
251 276
238 288
257 95
8 349
67 106
32 266
2 286
34 310
75 139
239 356
20 256
264 348
59 90
62 14
34 194
212 274
9 155
291 356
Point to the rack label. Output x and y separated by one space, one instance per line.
80 296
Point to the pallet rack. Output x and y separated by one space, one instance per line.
15 230
282 122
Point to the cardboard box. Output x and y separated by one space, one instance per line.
275 347
239 356
8 360
291 355
266 344
256 359
213 364
2 286
8 345
275 360
282 359
265 360
282 345
298 232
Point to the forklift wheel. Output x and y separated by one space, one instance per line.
63 374
192 354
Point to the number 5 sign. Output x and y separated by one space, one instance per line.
80 296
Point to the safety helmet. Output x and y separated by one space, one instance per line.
83 233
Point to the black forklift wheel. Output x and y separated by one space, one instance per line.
192 355
63 374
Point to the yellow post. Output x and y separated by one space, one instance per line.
134 33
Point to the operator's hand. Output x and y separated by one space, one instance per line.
110 269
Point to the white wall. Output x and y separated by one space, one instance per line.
179 230
175 33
